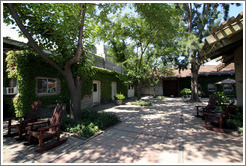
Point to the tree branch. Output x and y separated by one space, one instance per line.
141 56
79 50
31 41
189 11
198 14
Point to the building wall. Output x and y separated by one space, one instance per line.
86 102
149 90
112 66
238 59
205 80
108 64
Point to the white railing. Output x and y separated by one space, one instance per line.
11 90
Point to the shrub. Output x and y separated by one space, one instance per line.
91 123
199 93
119 96
161 97
221 98
185 91
141 103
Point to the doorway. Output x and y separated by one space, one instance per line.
96 92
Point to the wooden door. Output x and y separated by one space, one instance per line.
170 87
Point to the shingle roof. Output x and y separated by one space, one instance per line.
206 70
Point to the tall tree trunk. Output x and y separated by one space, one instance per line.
138 87
194 82
154 91
74 86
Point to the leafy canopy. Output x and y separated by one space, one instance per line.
55 26
137 41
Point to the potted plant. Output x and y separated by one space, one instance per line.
185 93
119 98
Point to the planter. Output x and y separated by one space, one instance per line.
119 102
186 97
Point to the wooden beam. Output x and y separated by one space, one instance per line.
226 32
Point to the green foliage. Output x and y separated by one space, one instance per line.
91 123
141 103
204 81
28 66
66 30
55 26
199 93
161 97
236 117
185 91
149 39
221 98
107 77
119 96
5 74
199 19
8 101
11 60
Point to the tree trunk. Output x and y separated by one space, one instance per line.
194 82
138 87
74 86
154 91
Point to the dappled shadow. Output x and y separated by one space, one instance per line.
166 132
26 153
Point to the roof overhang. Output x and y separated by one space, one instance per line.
224 39
13 42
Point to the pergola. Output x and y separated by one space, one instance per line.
226 43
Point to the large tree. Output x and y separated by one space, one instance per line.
139 40
65 30
200 18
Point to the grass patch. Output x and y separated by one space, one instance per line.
91 123
141 103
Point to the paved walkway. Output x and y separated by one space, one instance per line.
165 133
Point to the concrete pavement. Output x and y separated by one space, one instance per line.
165 133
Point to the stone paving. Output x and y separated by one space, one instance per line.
165 133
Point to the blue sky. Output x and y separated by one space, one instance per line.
234 11
13 34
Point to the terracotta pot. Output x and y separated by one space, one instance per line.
119 102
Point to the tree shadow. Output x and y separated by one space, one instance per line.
165 132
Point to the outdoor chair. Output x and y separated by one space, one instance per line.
31 116
209 108
50 130
218 118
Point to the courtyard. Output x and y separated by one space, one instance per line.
165 133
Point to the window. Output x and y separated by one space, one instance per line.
211 87
228 88
46 85
95 87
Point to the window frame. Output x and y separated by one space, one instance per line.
227 90
46 93
215 88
